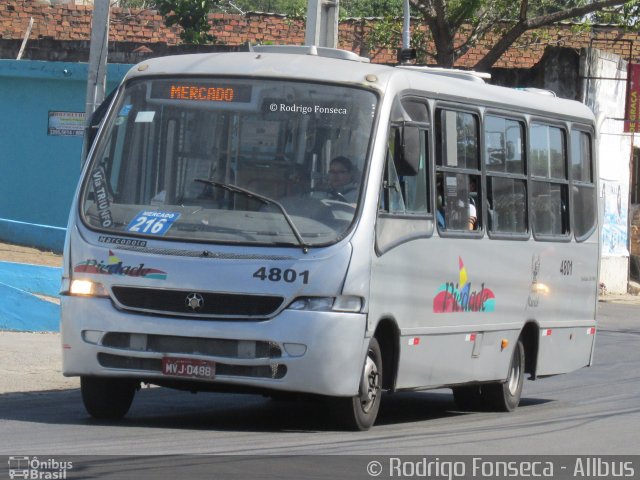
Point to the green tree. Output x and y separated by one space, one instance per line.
454 26
368 8
628 14
191 15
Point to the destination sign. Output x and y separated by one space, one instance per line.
201 92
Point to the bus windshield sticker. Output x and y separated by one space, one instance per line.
124 111
459 297
452 186
101 197
150 222
145 117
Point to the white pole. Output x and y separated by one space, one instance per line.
26 37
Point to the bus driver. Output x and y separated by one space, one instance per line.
341 180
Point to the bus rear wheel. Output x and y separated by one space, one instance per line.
360 412
107 398
505 397
496 396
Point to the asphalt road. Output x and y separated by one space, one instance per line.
592 411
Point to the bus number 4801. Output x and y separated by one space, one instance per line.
279 275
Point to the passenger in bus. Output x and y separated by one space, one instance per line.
440 208
473 194
470 222
342 185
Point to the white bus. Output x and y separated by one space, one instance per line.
294 219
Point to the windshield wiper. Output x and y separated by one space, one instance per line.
262 199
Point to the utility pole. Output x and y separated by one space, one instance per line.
322 23
97 73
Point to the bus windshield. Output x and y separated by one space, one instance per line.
231 160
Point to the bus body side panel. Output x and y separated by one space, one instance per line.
566 345
445 359
563 350
452 333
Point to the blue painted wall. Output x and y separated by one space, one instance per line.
38 172
20 308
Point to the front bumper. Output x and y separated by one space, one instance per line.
297 351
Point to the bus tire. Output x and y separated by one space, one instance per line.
360 412
505 396
107 398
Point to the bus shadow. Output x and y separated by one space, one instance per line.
407 407
170 409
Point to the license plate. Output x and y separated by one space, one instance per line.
188 367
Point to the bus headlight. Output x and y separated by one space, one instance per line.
87 288
343 303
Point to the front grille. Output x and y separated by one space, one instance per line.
175 302
213 347
154 365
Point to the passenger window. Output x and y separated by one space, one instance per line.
506 179
504 145
549 185
583 190
458 178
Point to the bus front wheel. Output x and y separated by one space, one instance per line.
360 412
107 398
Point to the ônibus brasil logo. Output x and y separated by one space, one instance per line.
459 297
32 468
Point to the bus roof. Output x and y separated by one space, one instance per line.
299 64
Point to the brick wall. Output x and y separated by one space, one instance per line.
68 22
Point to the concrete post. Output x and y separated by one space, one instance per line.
322 23
96 77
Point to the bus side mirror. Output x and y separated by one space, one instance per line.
407 160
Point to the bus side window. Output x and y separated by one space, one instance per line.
506 175
583 189
458 178
549 184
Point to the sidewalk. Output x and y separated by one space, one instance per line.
32 362
33 256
